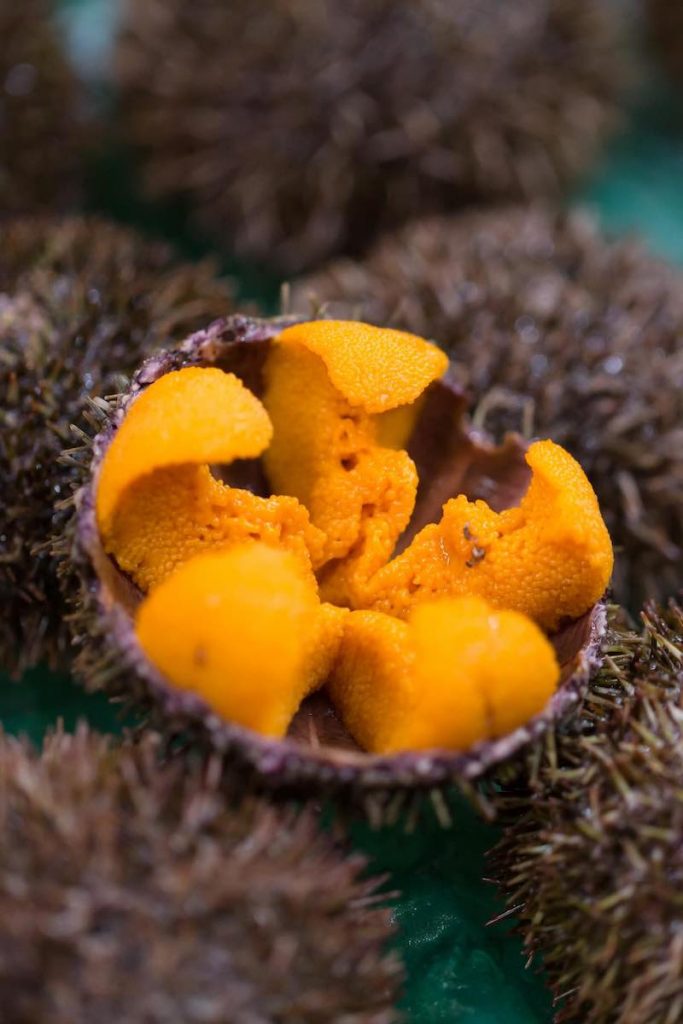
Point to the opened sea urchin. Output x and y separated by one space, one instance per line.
130 891
41 129
81 303
592 859
303 127
548 321
292 543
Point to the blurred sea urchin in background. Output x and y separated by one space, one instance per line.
300 128
41 112
665 27
542 315
592 858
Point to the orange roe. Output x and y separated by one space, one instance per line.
186 411
373 368
444 652
456 673
158 503
332 388
551 558
245 631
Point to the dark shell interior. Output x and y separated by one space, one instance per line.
451 459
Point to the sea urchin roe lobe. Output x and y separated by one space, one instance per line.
173 514
376 368
457 672
245 631
158 503
195 415
550 558
329 384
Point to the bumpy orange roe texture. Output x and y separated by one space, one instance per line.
551 558
457 672
330 386
374 368
186 411
245 631
158 503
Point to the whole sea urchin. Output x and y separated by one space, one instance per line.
40 112
592 859
303 127
541 315
81 303
130 891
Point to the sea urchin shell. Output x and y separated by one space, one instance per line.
592 858
131 891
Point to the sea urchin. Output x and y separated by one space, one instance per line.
130 891
301 128
268 495
81 303
41 120
545 320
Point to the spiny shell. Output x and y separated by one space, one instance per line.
301 128
81 303
556 327
592 857
132 891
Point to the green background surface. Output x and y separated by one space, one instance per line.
459 969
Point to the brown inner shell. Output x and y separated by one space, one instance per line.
451 459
